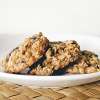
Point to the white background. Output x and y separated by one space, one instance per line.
50 16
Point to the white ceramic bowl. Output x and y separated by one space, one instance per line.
8 42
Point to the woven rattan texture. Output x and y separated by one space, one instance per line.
10 91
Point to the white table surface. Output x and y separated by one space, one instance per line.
50 16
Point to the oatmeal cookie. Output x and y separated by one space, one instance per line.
59 55
88 62
26 54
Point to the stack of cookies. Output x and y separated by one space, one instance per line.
37 55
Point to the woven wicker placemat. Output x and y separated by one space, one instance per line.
10 91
